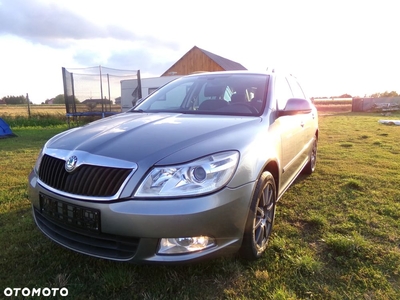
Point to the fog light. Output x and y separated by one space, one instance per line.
185 244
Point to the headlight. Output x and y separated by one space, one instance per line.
201 176
38 161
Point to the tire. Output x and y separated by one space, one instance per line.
312 160
260 219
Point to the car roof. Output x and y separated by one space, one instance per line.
231 73
270 72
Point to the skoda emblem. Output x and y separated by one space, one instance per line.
70 164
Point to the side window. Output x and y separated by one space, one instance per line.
282 91
296 89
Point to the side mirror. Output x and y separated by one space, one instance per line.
296 106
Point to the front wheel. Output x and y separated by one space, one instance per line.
260 218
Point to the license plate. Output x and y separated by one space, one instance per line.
70 214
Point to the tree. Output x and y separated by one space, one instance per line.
59 99
15 100
385 94
390 94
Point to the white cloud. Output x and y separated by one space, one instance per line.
335 47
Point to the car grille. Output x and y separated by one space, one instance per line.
78 228
86 180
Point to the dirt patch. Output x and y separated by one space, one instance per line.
331 109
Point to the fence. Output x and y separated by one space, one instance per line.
92 91
376 104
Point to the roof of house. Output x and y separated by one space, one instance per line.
222 62
226 64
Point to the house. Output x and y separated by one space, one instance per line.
200 60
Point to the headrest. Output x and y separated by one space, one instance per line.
214 90
238 97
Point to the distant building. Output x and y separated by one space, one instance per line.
199 60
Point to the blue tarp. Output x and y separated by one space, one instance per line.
5 130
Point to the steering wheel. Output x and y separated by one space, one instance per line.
251 108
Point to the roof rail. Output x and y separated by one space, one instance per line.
272 70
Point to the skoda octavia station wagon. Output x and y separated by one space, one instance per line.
193 171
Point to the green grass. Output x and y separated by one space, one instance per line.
45 119
336 235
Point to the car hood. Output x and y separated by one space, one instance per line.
135 136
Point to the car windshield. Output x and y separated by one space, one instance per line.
225 94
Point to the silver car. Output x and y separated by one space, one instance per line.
193 171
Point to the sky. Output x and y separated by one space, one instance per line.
333 47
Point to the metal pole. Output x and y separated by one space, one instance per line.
109 93
72 97
29 107
101 91
139 85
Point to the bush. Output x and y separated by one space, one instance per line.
37 119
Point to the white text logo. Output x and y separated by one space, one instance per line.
27 292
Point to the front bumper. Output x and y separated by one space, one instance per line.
130 229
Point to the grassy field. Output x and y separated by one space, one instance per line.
336 236
44 115
22 110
